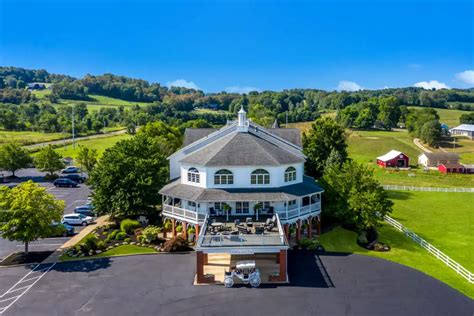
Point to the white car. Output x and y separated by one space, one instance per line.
70 169
77 219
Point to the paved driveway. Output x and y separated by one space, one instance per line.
162 285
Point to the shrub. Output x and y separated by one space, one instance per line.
113 234
141 239
191 230
151 233
362 238
176 244
138 231
168 225
128 225
179 228
121 236
90 242
310 244
127 239
101 245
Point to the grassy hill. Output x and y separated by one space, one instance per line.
446 116
28 137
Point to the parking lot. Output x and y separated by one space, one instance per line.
72 197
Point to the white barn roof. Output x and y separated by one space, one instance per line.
464 127
390 155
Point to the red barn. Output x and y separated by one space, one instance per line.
451 168
395 159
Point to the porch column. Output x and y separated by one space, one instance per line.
283 263
287 231
319 225
185 230
205 259
200 267
196 228
173 228
310 227
298 230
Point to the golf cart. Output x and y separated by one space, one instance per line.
245 271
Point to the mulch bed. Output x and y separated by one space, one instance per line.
21 258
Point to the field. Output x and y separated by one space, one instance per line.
403 251
101 144
446 220
305 126
446 116
28 137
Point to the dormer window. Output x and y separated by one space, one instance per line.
193 175
223 176
290 174
260 176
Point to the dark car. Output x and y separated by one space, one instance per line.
70 169
87 210
62 230
74 177
65 182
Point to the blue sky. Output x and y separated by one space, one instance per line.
242 45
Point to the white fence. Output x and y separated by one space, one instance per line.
469 276
426 189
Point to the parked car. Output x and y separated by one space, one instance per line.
71 169
87 210
77 219
62 230
74 177
65 182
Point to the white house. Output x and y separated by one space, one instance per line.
249 173
463 130
435 159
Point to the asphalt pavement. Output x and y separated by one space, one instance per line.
71 196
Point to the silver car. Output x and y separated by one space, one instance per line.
77 219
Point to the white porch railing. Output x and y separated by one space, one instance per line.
182 213
299 211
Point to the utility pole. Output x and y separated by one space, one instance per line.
286 125
73 130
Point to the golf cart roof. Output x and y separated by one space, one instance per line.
246 264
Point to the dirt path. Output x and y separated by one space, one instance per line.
69 140
417 142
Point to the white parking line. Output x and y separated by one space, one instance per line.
40 245
20 287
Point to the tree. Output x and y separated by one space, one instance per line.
354 196
389 112
262 115
127 178
467 118
163 133
431 133
87 158
13 157
48 160
27 211
324 136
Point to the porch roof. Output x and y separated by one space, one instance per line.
188 192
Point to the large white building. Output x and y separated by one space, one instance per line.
246 172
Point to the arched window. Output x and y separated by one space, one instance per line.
193 175
223 176
260 176
290 174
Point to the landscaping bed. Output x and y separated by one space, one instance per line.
22 258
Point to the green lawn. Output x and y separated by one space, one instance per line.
29 137
403 251
117 251
101 144
445 220
446 116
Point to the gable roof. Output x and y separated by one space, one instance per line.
392 154
292 135
464 127
241 149
441 156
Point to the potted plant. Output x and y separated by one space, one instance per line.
226 207
257 207
191 232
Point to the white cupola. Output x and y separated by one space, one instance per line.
242 117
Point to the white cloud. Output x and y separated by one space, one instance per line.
466 76
238 89
431 84
183 83
345 85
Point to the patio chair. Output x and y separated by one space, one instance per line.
243 229
259 230
249 222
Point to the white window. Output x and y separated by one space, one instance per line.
241 207
223 176
193 175
291 203
191 204
218 205
260 176
290 174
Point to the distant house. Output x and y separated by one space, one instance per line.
435 159
36 86
451 168
463 130
393 158
468 169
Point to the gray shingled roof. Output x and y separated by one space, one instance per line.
441 156
242 149
293 135
188 192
